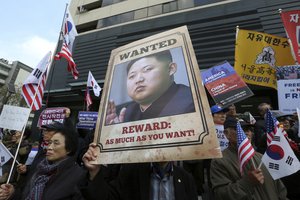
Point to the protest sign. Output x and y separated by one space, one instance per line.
87 120
224 142
224 85
288 95
14 117
53 114
257 54
288 72
153 106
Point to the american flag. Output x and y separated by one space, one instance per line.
271 125
69 33
33 87
66 53
245 149
88 98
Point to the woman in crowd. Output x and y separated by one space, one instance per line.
57 175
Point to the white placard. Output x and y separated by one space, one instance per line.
224 143
288 95
14 117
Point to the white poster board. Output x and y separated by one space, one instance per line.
14 117
288 95
176 123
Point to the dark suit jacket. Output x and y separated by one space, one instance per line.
133 183
176 100
62 185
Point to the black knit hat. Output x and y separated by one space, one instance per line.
53 126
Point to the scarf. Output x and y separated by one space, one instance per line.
40 179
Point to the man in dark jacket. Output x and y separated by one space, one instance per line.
139 181
151 86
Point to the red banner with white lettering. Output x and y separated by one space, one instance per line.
291 22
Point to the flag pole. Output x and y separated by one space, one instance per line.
84 101
23 130
56 50
236 31
253 163
260 164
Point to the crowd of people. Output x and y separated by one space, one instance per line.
61 168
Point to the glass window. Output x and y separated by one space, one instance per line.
155 10
110 2
100 23
170 7
141 13
183 4
125 17
204 2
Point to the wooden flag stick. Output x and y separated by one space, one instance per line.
23 129
260 164
253 163
17 152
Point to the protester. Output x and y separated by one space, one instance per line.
150 84
22 154
231 111
57 175
259 128
219 116
138 181
47 133
227 181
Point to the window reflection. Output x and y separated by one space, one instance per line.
110 2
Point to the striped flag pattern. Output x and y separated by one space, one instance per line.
69 33
33 87
88 98
66 53
245 149
271 125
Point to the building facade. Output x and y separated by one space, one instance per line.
12 76
104 25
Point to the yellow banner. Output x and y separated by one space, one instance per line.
257 54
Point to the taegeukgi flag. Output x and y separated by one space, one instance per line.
279 158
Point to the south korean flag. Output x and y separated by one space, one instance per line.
279 157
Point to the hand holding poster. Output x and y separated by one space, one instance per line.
14 117
154 107
224 85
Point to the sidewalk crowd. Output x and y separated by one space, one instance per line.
60 167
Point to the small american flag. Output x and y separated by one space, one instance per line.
245 149
271 125
88 98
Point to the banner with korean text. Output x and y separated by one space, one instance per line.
53 114
154 106
291 22
257 54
